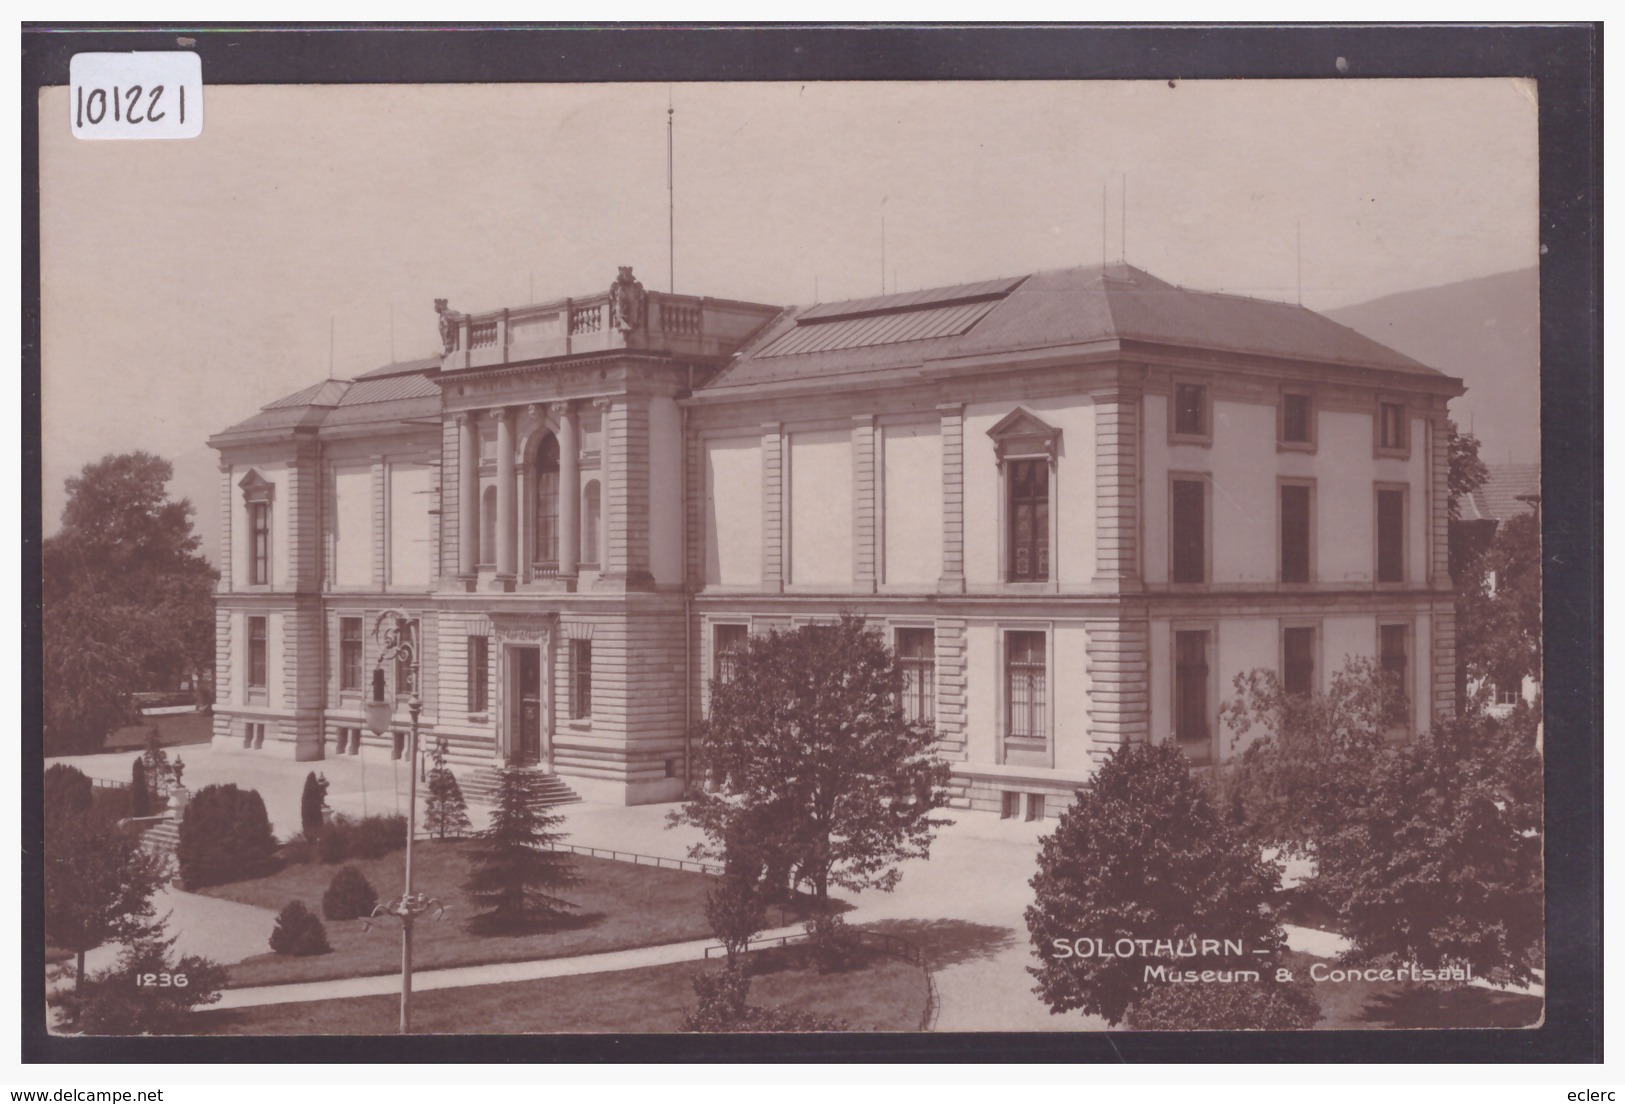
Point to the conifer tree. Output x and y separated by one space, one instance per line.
445 813
516 871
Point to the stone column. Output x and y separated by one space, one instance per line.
952 580
468 496
507 503
569 491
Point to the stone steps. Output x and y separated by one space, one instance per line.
163 838
480 786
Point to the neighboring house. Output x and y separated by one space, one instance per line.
1509 490
1076 502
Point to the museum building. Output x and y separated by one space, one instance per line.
1077 503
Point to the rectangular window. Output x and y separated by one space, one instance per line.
729 641
349 653
479 674
1190 531
1394 647
1026 693
1190 410
1297 419
917 655
1390 536
1010 804
256 652
580 680
259 528
1035 806
1298 659
1029 520
1391 426
1507 693
1294 533
403 663
1192 720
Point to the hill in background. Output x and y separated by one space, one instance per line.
1487 331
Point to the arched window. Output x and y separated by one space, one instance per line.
547 501
591 509
488 526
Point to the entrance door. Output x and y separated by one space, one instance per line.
528 722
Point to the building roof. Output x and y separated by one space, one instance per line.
1510 490
402 390
889 335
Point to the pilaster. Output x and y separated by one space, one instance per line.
951 705
773 444
952 580
864 492
1119 691
1117 487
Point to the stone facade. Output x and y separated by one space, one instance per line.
581 506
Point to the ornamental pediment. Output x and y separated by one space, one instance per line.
256 488
1023 433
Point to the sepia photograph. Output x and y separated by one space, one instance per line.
799 557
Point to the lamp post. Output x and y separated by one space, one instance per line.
395 630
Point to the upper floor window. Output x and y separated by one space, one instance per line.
1297 419
729 642
917 655
479 674
258 493
1390 535
1189 530
547 500
1295 532
1029 520
1391 425
349 653
256 652
1026 447
488 526
1192 415
591 513
580 679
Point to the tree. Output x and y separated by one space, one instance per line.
445 813
312 800
1465 472
149 991
225 837
140 801
516 872
99 884
1498 606
1309 760
69 794
1441 864
1143 856
810 756
127 598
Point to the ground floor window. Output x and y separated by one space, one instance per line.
1508 693
256 652
580 679
1393 643
479 674
1298 660
350 653
1193 726
1026 695
729 643
917 655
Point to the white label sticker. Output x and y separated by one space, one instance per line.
151 95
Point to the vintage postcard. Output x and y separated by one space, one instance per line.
791 556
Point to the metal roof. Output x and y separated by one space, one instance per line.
847 332
390 387
1506 492
326 393
402 367
885 304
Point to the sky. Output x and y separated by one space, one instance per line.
309 230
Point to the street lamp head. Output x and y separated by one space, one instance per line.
379 712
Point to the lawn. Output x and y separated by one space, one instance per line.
620 906
886 994
1364 1005
174 729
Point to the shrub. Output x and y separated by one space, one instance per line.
225 837
110 1004
69 793
734 909
311 802
834 946
299 931
1236 1006
370 837
349 896
140 800
722 1006
445 813
1142 854
298 850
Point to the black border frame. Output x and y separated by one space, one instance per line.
1566 60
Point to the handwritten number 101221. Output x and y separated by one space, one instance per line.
126 105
